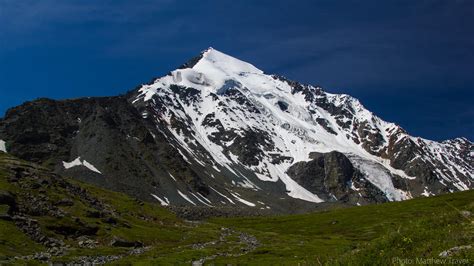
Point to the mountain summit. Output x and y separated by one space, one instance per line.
220 132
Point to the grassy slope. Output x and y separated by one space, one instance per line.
359 235
419 228
137 221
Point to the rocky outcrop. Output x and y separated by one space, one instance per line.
108 133
333 176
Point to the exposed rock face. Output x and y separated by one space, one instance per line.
35 191
220 132
332 174
101 130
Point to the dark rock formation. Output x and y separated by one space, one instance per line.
333 175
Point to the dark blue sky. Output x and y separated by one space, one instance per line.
410 62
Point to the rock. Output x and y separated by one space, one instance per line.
7 198
250 240
76 229
466 214
44 256
35 185
94 260
31 228
283 105
65 202
125 224
56 251
333 177
118 242
110 220
454 250
4 212
5 217
87 243
94 214
137 251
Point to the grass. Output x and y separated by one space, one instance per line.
376 234
13 242
148 223
366 235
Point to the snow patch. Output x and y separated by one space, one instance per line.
201 200
90 166
164 202
186 198
78 162
3 146
426 192
224 196
248 203
172 176
380 177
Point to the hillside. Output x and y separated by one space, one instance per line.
50 218
219 132
46 217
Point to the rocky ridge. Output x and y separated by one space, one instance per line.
218 132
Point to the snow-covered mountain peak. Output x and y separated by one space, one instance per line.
264 124
220 131
215 72
214 59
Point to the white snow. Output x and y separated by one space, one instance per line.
90 166
246 202
202 200
353 187
164 202
186 197
203 197
294 132
426 192
172 176
3 146
78 162
380 177
224 196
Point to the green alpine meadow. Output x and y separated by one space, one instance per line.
47 218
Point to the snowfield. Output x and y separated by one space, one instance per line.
296 125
